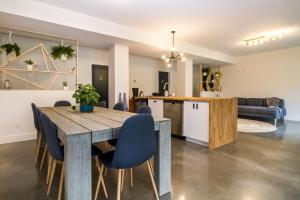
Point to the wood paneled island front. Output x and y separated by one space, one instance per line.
208 121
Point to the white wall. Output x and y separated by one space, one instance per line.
16 115
118 73
275 73
143 74
87 57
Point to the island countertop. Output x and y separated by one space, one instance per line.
179 98
214 117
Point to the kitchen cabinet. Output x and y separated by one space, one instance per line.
196 120
157 107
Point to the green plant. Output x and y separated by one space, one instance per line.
206 70
60 50
218 74
28 62
65 83
9 48
86 95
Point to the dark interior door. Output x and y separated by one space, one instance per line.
100 82
163 78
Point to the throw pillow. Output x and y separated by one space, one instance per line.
273 102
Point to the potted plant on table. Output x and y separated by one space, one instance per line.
29 65
87 97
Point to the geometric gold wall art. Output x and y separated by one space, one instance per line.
50 68
47 73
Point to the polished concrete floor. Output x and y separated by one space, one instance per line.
256 167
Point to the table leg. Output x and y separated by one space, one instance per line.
78 177
162 158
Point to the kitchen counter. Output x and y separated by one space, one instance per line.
207 121
176 98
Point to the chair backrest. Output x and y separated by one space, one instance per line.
144 110
136 142
41 127
119 106
62 103
35 120
55 150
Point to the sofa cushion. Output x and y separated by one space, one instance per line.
261 111
255 102
242 101
245 109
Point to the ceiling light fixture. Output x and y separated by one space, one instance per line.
264 38
173 56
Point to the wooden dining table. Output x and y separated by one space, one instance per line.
78 131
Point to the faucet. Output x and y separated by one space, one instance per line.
165 85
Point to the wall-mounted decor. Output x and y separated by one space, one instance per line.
35 68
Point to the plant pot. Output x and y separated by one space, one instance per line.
66 87
86 108
63 57
30 67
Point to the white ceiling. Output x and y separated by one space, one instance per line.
213 24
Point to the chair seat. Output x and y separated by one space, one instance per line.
96 151
113 142
107 158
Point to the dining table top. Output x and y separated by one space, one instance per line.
72 122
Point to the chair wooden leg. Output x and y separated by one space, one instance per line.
119 184
105 171
151 168
52 176
49 169
38 148
131 177
152 180
44 155
61 183
100 180
122 183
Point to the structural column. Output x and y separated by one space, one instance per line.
118 73
185 78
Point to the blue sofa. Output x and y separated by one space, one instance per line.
257 107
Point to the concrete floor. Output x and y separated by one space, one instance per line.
256 167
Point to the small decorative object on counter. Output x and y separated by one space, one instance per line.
87 97
29 65
120 98
135 92
7 85
65 84
125 102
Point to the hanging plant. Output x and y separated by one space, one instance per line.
62 52
218 74
10 48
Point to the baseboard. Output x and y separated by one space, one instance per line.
17 137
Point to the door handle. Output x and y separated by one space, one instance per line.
197 106
154 101
193 106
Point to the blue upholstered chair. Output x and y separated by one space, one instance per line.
37 127
119 106
135 146
62 103
144 110
56 152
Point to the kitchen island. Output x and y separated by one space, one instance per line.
211 122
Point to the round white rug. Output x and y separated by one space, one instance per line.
253 126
